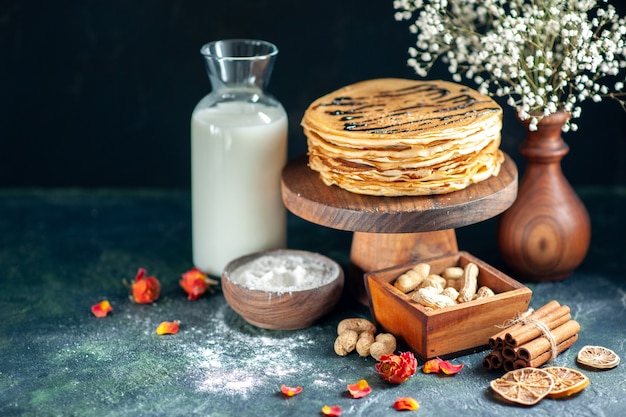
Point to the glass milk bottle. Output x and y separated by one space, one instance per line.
238 150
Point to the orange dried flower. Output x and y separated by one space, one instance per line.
168 327
195 283
331 410
438 365
360 389
406 404
396 368
102 309
290 391
145 289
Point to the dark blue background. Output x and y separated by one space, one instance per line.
100 93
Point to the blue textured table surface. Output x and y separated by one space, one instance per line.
63 250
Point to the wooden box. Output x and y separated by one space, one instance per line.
451 331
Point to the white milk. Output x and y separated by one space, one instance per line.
238 152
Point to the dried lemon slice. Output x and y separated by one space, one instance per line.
567 381
598 357
525 386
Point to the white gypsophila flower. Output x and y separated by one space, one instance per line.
543 56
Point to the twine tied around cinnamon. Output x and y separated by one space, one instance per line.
515 320
525 318
545 331
532 338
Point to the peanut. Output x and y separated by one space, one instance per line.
359 325
346 342
453 283
450 292
408 281
453 275
483 292
412 278
453 272
434 281
422 268
429 297
385 344
364 343
470 283
349 333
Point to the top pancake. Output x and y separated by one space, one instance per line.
399 111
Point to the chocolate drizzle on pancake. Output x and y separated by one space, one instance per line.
428 104
397 137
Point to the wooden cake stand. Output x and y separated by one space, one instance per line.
390 231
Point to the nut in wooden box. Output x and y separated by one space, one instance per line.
450 331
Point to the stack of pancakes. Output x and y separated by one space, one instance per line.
397 137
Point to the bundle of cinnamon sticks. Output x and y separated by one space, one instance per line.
533 339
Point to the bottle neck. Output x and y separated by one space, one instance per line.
242 66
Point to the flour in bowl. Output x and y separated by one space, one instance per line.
282 273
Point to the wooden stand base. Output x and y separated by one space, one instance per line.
390 231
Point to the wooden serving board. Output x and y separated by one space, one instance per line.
390 231
308 197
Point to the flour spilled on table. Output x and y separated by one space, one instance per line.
238 362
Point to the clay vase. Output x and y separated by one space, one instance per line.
545 234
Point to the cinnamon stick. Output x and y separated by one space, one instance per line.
541 345
493 360
487 362
561 347
529 331
496 359
509 352
538 315
545 357
519 364
499 339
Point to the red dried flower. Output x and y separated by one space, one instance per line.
406 404
396 368
195 283
145 289
331 410
168 327
290 391
102 309
360 389
448 368
438 365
